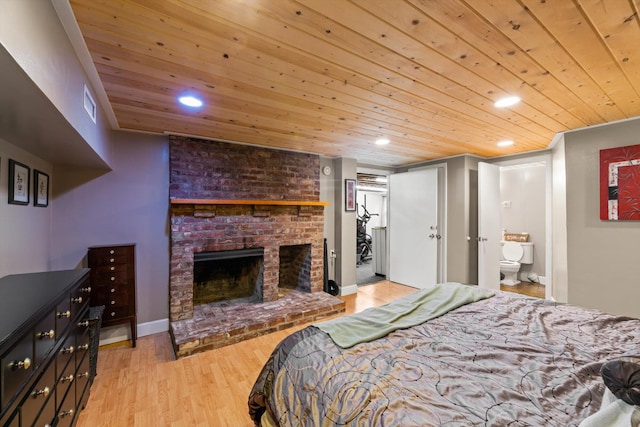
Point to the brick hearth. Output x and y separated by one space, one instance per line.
210 186
219 324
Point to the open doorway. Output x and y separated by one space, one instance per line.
371 228
524 212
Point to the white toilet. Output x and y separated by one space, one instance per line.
513 255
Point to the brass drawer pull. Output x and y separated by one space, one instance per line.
84 374
51 334
112 268
83 347
83 324
111 260
43 392
66 314
67 378
113 278
113 302
68 350
113 313
86 290
76 300
20 364
65 413
112 252
113 290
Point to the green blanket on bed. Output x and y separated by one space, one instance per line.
410 310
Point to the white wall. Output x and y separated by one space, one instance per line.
560 284
24 230
376 205
523 188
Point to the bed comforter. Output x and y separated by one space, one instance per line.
504 361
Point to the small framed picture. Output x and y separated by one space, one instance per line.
19 183
40 188
349 194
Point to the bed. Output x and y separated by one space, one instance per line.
496 359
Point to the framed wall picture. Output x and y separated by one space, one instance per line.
40 188
19 175
620 183
349 194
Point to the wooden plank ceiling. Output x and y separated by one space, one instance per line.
332 76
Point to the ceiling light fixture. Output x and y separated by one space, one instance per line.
190 101
382 141
507 102
506 143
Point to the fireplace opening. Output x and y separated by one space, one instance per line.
295 269
228 275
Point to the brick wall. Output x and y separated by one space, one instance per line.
214 170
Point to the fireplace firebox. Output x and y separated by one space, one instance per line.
228 276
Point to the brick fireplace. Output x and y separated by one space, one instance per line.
227 198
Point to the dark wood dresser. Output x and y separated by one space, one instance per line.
44 348
113 284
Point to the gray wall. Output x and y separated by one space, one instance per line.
24 230
602 256
31 32
128 204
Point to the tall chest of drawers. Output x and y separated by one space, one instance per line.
113 284
44 348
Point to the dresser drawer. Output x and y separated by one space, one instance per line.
40 399
66 352
47 415
44 336
82 382
67 375
67 410
17 366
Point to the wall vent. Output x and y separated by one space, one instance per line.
89 104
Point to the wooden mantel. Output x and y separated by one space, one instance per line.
247 202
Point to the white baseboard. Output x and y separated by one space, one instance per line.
348 290
119 333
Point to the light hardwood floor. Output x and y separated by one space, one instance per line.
146 387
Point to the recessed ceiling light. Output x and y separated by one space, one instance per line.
505 143
190 101
382 141
507 102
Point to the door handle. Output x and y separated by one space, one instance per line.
438 236
431 236
482 239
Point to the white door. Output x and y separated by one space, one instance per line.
413 228
488 226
